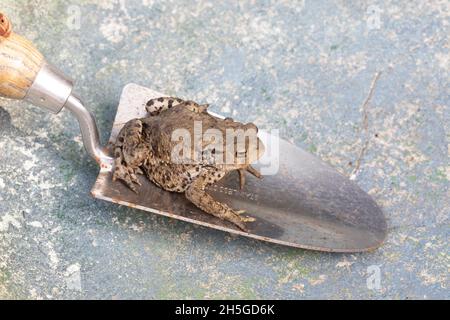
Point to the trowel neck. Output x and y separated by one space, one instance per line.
89 131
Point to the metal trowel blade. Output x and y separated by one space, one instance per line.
305 204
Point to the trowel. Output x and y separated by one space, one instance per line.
300 201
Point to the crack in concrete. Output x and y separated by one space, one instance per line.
365 125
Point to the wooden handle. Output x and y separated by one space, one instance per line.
20 62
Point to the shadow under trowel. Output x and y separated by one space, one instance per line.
5 121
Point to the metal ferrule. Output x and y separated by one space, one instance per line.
50 89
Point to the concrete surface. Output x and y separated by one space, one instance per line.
304 67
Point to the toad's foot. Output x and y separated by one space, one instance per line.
254 172
241 178
127 175
245 219
249 169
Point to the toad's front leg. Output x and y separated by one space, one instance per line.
129 153
197 195
155 106
126 174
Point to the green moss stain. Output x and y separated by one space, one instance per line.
438 176
67 172
312 148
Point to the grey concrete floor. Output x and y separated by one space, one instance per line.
304 67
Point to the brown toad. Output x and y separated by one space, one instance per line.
182 148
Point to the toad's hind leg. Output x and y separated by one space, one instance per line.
155 106
129 152
195 107
197 195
